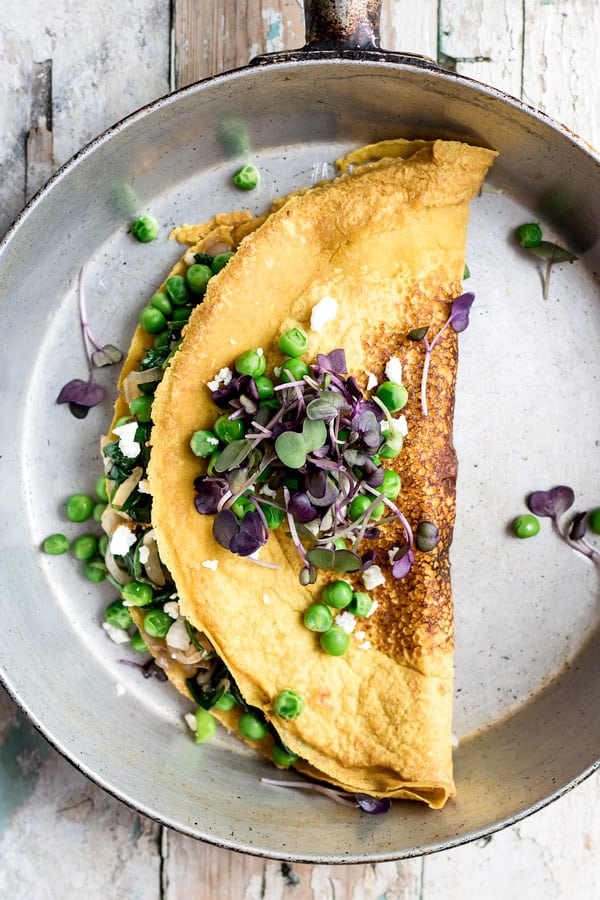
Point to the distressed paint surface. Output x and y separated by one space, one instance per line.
60 836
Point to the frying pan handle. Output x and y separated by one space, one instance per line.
342 24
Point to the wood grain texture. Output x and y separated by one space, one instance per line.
61 836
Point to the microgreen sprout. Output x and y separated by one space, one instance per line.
529 237
458 319
308 456
82 395
368 804
554 504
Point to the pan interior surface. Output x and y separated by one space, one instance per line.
527 418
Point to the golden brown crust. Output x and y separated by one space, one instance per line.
388 243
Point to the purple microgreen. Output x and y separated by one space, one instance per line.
301 508
340 797
252 534
334 362
553 504
417 334
458 320
225 526
82 395
208 497
147 670
401 567
375 806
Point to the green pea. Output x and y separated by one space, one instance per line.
247 178
181 315
526 526
161 302
137 593
360 605
318 617
206 725
391 485
264 386
103 544
358 506
251 727
293 342
293 370
282 757
229 429
55 544
145 229
100 489
288 704
161 340
391 449
98 512
95 569
157 623
203 443
123 420
274 516
197 277
337 594
152 320
393 395
141 408
225 702
79 507
85 546
177 290
594 520
118 615
220 261
138 643
335 641
339 544
241 506
252 362
210 469
529 235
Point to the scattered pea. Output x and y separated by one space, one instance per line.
526 526
252 362
138 644
203 443
98 512
335 641
220 261
85 547
137 593
229 429
360 605
197 277
79 507
100 489
177 290
141 408
247 178
393 395
206 725
274 516
56 544
337 594
391 485
118 615
293 370
102 544
293 342
225 702
95 569
288 704
152 320
264 386
145 229
161 302
282 757
251 727
157 623
318 617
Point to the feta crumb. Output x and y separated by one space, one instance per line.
190 721
266 491
360 635
211 564
144 555
391 554
127 445
277 371
366 645
171 607
393 370
189 258
223 377
122 539
323 312
371 381
212 440
374 606
143 486
401 425
373 577
232 341
119 689
346 621
260 351
266 598
118 635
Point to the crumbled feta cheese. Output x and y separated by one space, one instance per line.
374 606
266 598
143 486
360 635
190 721
232 341
122 539
260 351
366 645
210 564
393 370
119 689
346 621
323 312
277 371
266 491
391 554
401 425
371 381
171 607
189 258
373 577
223 377
212 440
118 635
128 446
144 555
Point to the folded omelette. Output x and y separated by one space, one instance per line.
361 264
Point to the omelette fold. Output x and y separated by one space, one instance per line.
386 241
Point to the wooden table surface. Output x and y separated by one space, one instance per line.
68 71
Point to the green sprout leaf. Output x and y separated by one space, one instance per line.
290 447
233 454
314 434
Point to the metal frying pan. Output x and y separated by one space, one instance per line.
527 661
